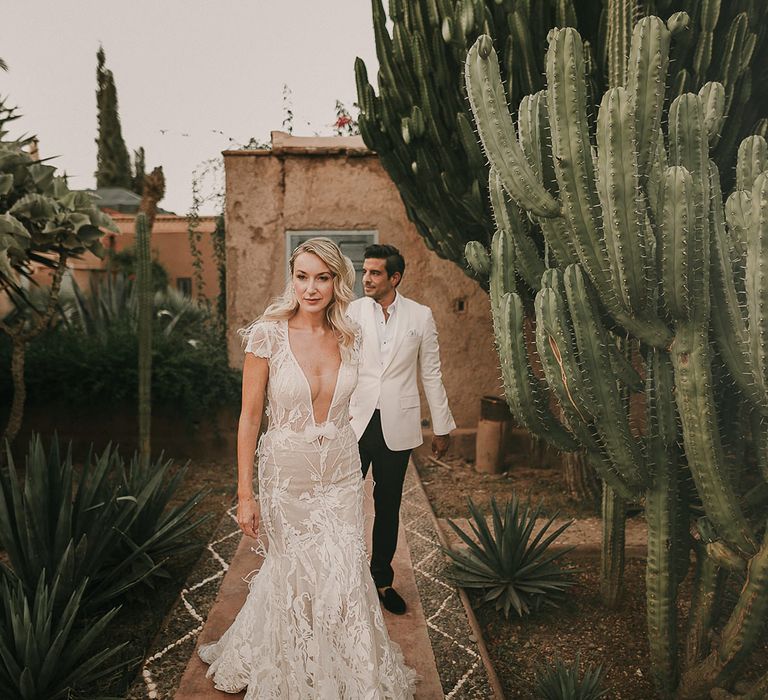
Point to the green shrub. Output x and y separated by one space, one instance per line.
515 571
560 681
125 263
47 651
75 370
89 357
108 525
162 530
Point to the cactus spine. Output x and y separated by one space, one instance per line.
420 124
145 299
660 260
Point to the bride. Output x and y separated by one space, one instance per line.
311 626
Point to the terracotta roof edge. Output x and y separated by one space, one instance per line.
302 151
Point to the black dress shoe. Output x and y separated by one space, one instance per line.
392 601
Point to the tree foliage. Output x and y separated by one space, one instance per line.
113 164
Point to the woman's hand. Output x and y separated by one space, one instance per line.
248 516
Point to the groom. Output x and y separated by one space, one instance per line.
399 342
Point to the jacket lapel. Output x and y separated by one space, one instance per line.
370 331
402 323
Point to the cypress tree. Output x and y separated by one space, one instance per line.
113 165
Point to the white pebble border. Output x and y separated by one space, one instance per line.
146 672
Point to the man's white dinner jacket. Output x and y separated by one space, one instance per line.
392 383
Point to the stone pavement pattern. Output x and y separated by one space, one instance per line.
434 634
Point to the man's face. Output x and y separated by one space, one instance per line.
376 284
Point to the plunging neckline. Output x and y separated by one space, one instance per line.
309 384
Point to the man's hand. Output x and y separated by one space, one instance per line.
440 444
247 516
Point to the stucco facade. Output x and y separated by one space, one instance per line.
169 245
337 184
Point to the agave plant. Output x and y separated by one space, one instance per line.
513 566
161 529
109 301
178 312
114 301
107 525
561 681
47 523
46 653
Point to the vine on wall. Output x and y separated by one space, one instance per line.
287 109
195 236
220 257
208 191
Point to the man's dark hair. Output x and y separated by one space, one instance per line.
393 261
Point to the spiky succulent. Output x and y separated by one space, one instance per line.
109 524
644 249
559 680
419 122
144 284
45 650
514 567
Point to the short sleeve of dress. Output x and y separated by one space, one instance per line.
259 340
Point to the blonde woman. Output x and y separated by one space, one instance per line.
311 626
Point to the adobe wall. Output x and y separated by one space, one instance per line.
337 184
169 244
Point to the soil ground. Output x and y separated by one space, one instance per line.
614 639
451 481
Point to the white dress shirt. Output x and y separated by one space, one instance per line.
385 329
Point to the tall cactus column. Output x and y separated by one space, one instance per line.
621 19
660 261
145 299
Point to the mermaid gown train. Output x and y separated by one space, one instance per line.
311 626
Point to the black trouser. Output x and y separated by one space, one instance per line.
389 468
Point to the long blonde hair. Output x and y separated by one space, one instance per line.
285 306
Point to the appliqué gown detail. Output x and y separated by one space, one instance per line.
311 626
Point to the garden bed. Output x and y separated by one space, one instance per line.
450 481
614 638
140 620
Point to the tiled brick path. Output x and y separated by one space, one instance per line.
435 634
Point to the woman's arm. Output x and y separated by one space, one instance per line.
255 377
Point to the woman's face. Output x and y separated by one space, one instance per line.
312 283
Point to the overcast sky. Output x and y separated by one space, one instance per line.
194 77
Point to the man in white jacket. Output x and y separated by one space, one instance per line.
399 343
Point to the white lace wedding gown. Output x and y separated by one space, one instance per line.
312 625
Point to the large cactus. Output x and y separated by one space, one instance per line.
145 298
152 192
725 42
420 125
639 245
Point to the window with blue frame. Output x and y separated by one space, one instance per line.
352 244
